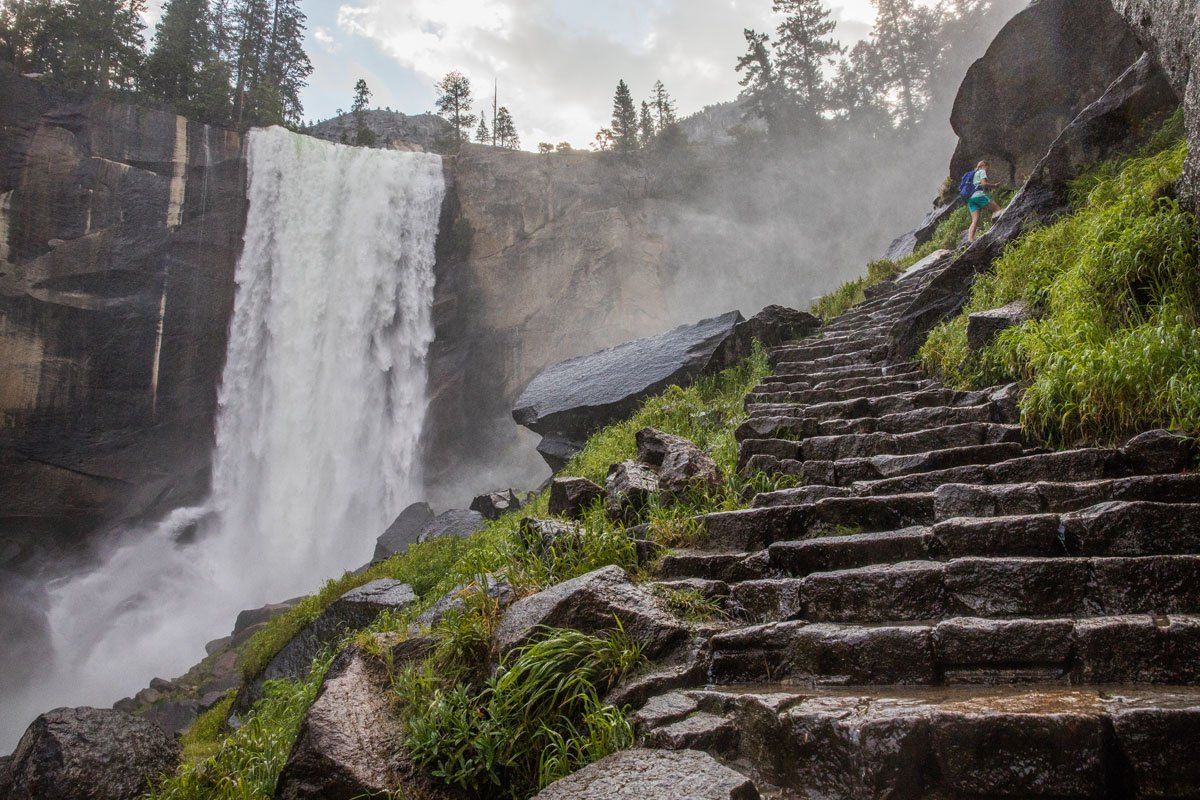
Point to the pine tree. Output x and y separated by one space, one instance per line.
646 125
763 91
101 43
32 35
624 120
663 105
482 134
270 65
185 68
454 103
803 48
906 37
363 136
506 130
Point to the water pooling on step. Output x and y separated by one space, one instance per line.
320 411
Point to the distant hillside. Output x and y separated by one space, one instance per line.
391 128
711 125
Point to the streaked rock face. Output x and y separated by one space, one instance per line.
119 232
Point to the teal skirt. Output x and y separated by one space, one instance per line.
978 202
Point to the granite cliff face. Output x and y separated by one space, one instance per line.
119 232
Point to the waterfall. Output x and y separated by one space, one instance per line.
320 411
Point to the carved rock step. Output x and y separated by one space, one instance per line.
751 529
964 650
816 348
773 383
855 471
969 500
808 396
864 445
796 425
814 375
952 742
997 587
874 355
702 565
874 406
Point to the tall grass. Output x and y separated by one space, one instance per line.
1115 347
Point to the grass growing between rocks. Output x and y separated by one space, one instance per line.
246 764
1115 344
539 716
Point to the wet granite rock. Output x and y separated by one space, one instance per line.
99 754
683 468
405 530
629 487
984 326
570 497
544 536
456 522
590 603
494 505
354 610
641 774
497 589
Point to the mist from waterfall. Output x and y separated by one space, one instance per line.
321 408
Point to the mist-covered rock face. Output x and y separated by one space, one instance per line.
1044 66
119 231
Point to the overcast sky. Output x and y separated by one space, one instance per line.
557 61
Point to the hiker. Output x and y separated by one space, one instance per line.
974 190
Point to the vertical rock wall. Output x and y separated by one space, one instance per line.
119 232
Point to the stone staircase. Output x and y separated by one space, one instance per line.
940 610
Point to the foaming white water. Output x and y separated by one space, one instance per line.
320 412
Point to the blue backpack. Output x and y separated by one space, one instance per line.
966 187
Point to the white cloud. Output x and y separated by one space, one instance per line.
557 61
327 40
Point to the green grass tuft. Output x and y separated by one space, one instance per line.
1115 347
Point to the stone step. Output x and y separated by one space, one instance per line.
854 471
973 500
963 742
874 406
866 445
868 357
796 425
730 567
814 375
808 350
756 528
809 396
1002 587
1139 648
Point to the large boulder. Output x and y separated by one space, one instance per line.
1170 31
350 743
629 487
590 603
641 774
1035 77
494 505
405 530
354 610
984 326
773 326
1117 124
572 399
98 754
456 522
570 497
682 466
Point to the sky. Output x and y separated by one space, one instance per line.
557 62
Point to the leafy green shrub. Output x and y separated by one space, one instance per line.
1116 343
246 765
537 719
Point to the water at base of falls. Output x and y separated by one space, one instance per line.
320 412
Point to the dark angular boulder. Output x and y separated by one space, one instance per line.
641 774
570 400
99 754
1159 451
590 603
629 487
456 522
404 531
1034 78
494 505
773 326
354 610
542 536
456 599
256 616
682 466
570 497
984 326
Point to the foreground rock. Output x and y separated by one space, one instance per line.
683 468
629 486
456 522
494 505
570 400
592 603
653 775
98 754
570 497
349 745
984 326
354 610
406 530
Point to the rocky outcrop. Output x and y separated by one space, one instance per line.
984 326
458 523
100 754
120 228
354 610
393 130
641 774
570 497
569 401
1170 31
1035 77
683 468
494 505
1130 110
405 530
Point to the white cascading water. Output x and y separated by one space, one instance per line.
321 408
